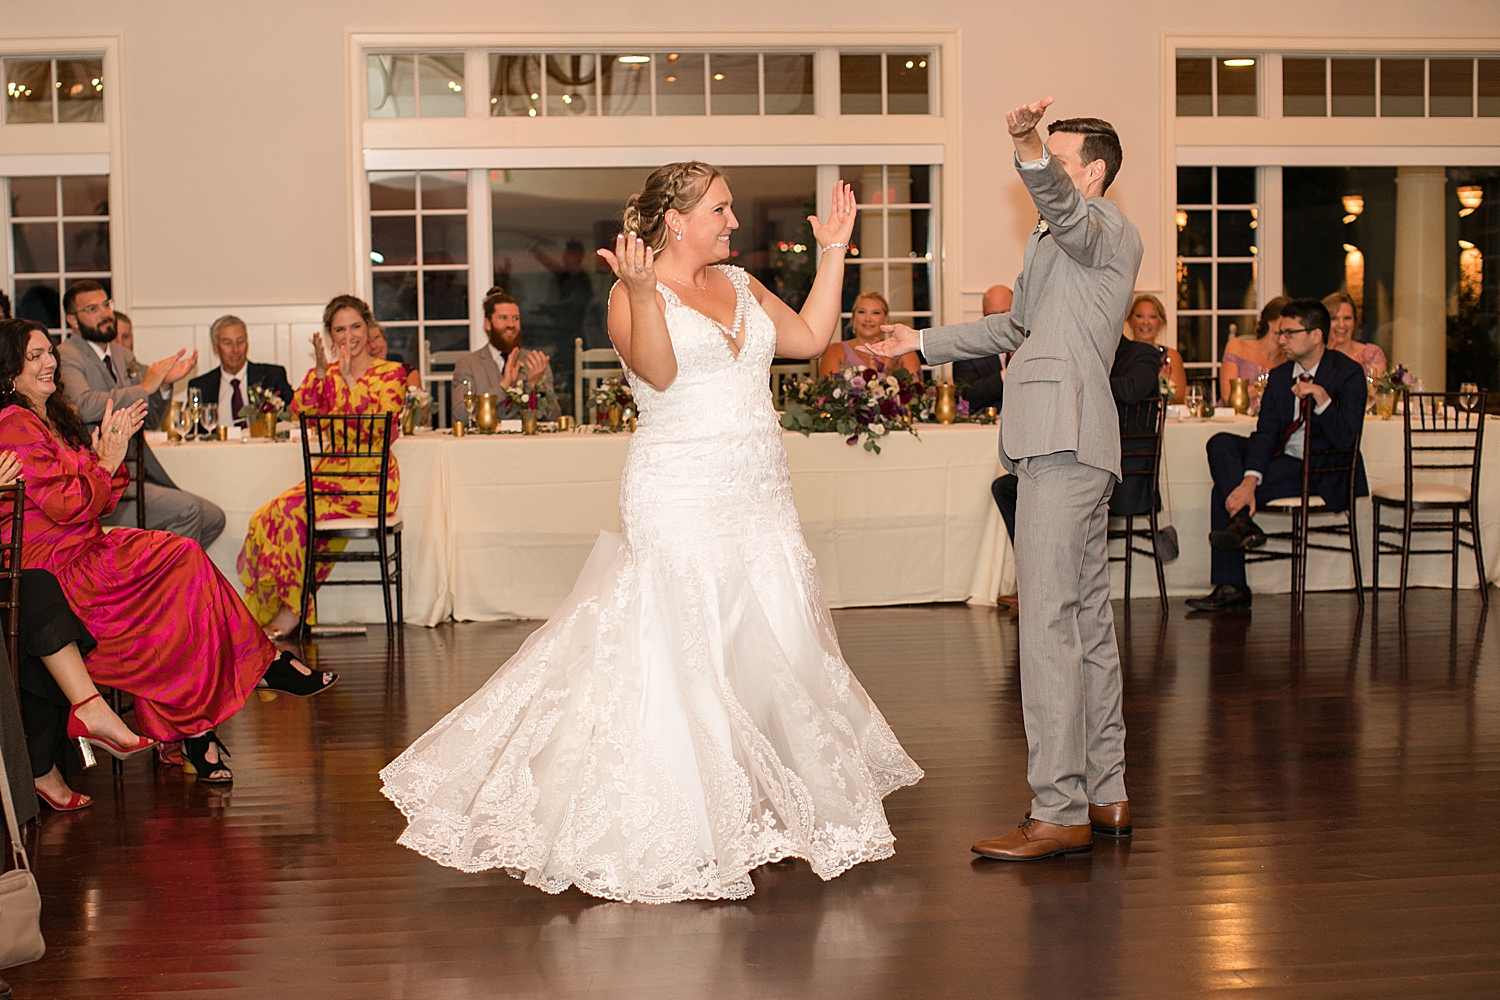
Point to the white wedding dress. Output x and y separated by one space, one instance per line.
686 715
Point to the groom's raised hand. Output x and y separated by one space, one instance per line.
1022 123
900 339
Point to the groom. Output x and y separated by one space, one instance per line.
1061 437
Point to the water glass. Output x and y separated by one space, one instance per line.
209 420
1195 401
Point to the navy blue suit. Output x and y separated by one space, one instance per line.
273 377
1230 456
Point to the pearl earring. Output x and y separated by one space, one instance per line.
679 235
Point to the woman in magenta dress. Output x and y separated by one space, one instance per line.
170 629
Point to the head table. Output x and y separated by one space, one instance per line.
498 526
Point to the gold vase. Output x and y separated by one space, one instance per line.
264 426
528 424
616 418
487 413
946 410
1239 395
172 417
409 420
1385 404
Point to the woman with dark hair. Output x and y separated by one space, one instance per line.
271 563
170 630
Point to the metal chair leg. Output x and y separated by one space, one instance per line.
400 585
1129 550
1405 547
1484 583
385 575
1359 583
1161 576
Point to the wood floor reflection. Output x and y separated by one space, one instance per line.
1316 815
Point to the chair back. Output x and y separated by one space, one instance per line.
784 372
12 506
1445 434
340 449
591 368
1142 425
1325 460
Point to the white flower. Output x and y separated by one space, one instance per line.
838 393
877 429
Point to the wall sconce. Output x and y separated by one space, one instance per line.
1181 220
1470 196
1354 206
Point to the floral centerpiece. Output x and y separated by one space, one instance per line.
530 398
859 403
414 408
610 395
261 411
1397 379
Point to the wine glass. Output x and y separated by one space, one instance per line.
208 418
1195 401
182 422
470 399
1469 396
193 409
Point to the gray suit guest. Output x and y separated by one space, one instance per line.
497 365
1061 437
96 370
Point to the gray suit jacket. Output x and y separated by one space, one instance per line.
88 384
1064 325
480 369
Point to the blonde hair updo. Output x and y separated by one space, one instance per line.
676 185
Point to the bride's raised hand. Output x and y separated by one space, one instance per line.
840 225
634 263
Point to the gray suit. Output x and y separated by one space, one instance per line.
484 375
89 385
1061 436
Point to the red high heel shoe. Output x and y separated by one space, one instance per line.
77 802
87 740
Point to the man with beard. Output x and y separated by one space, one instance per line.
96 369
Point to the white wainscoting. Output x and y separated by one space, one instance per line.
279 335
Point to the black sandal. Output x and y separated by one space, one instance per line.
282 676
195 759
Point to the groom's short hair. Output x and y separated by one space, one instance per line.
1100 142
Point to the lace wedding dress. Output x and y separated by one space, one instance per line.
686 715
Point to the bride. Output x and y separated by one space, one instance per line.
686 715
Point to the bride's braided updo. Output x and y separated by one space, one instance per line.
676 185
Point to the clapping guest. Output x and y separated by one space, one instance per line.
1343 318
870 312
228 386
1249 358
169 629
379 349
1146 318
501 363
271 564
981 381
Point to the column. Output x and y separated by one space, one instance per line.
1420 323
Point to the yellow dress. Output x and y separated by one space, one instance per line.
271 563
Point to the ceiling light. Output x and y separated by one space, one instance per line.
531 113
634 60
718 76
1354 204
494 100
567 98
536 97
671 57
1182 220
671 79
922 64
1470 196
376 258
910 64
1239 63
455 86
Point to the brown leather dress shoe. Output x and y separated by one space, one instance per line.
1034 840
1112 820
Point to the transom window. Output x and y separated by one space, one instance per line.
416 84
59 233
45 90
888 83
1392 87
1217 85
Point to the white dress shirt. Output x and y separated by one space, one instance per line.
1298 440
227 415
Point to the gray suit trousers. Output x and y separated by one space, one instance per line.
173 510
1070 667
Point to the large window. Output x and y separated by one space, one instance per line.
1217 218
894 240
419 263
59 233
42 90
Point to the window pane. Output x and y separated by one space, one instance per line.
1236 287
28 90
1235 326
865 180
445 239
1195 286
1237 87
859 84
1195 237
1236 233
85 195
445 294
1194 87
393 239
1450 88
1489 88
570 84
1195 185
87 245
627 84
921 183
1195 337
910 288
735 84
515 85
447 338
393 87
39 299
395 295
906 84
393 192
441 78
31 196
35 247
921 233
1236 185
401 344
1304 88
1353 88
789 84
1401 88
679 84
80 90
446 189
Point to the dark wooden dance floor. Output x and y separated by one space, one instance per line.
1317 815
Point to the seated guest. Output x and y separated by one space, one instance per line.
870 312
1133 377
982 380
378 349
99 372
1146 318
1343 318
1250 472
169 629
1248 358
496 366
272 562
124 331
227 386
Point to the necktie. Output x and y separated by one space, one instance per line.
110 364
1296 424
236 402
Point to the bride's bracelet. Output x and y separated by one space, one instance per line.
836 246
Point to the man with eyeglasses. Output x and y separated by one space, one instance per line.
96 369
1250 472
